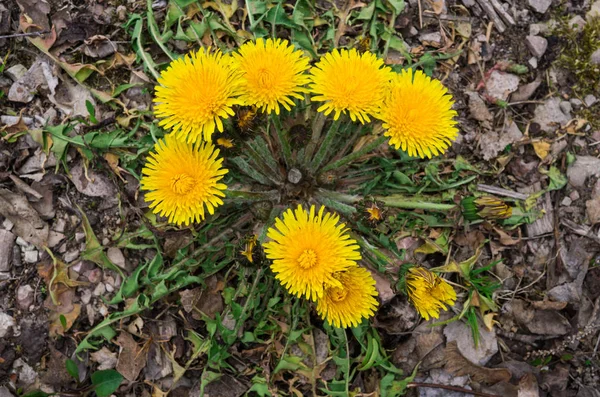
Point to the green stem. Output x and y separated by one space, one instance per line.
353 156
241 196
283 141
397 201
154 31
325 145
317 128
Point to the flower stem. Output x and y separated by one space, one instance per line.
399 201
241 196
325 146
317 128
283 141
355 155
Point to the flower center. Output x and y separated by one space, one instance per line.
265 78
307 259
338 294
182 183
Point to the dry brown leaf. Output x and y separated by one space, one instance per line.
132 358
506 239
438 6
458 365
528 386
549 305
28 224
56 327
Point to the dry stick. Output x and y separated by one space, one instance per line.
503 13
413 385
32 34
489 9
498 191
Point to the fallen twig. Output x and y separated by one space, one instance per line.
413 385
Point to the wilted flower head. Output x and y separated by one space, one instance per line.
307 248
346 305
417 114
195 93
182 180
486 207
272 74
428 292
347 81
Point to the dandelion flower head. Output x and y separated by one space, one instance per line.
346 305
182 180
418 116
348 81
272 74
307 248
428 292
195 94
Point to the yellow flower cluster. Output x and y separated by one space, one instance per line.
314 257
428 292
197 92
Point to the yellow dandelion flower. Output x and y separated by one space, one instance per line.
308 248
183 179
272 73
428 292
418 115
348 81
195 94
347 305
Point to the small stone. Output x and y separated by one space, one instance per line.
576 102
468 3
54 238
109 288
86 296
70 256
31 256
22 242
294 176
7 241
8 225
594 11
60 226
6 323
99 290
25 295
116 256
27 375
589 100
433 39
550 116
15 72
581 169
500 85
540 6
537 45
574 195
79 237
577 23
566 202
566 107
595 57
533 62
